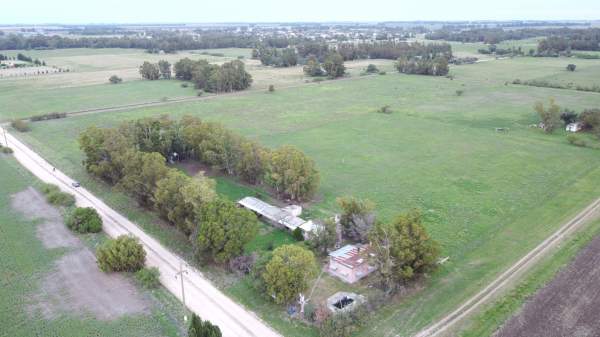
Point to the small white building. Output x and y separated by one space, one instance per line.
574 127
287 217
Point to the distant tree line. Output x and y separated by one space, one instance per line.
230 76
486 35
423 66
393 50
513 51
568 40
155 41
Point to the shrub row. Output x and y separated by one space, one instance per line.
48 116
56 197
546 84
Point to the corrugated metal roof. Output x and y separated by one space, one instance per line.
274 213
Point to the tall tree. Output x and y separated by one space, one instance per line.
224 229
549 116
141 173
357 217
165 69
403 249
200 328
323 237
334 65
292 173
150 71
288 272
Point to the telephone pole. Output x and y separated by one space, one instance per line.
179 274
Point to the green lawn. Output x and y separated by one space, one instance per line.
24 262
487 197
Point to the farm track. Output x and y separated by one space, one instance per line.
202 297
511 274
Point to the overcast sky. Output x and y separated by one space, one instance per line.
173 11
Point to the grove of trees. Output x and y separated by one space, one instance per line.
200 328
230 76
133 157
423 66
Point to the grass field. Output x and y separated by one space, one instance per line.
487 197
24 262
87 85
18 103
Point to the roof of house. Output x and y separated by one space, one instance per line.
351 256
276 214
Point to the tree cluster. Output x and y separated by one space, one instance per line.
200 328
393 50
276 57
423 66
565 40
228 77
332 66
155 71
357 218
133 157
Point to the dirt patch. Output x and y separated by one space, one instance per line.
78 286
75 285
568 306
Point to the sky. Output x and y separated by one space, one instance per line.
199 11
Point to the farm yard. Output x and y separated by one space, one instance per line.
487 197
47 272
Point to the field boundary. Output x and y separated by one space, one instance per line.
512 273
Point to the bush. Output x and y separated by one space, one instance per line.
124 253
6 150
20 125
200 93
371 69
386 109
574 140
382 73
297 234
344 324
56 197
114 79
148 277
84 220
243 264
271 88
48 116
185 85
571 67
459 92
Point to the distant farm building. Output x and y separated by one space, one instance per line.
287 217
574 127
350 263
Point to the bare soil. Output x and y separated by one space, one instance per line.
568 306
75 285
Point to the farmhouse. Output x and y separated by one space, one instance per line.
350 263
287 217
574 127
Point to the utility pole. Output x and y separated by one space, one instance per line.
180 273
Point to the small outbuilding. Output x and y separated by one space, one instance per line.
574 127
287 217
351 262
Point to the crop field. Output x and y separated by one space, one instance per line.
25 265
487 197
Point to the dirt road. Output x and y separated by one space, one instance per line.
513 273
201 296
